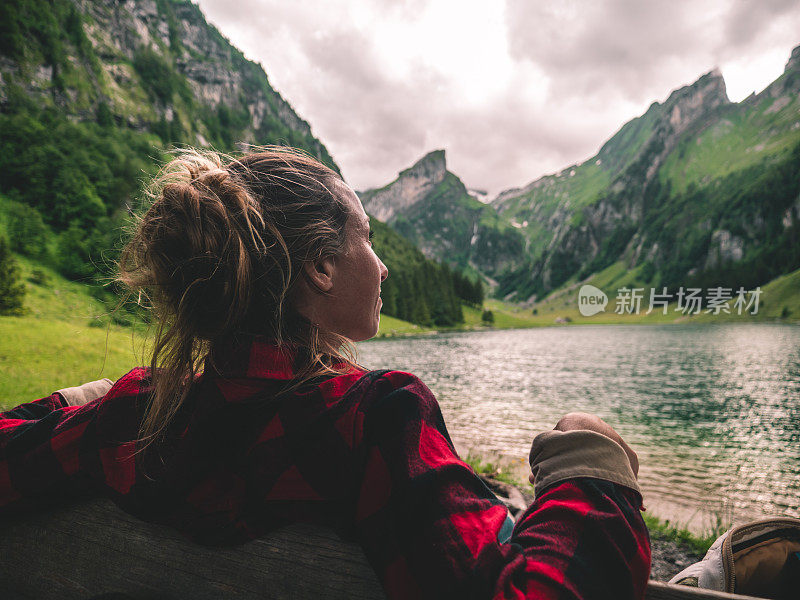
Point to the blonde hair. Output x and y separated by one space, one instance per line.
219 251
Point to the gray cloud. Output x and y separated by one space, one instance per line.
626 46
749 21
576 72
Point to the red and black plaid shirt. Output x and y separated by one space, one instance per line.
365 453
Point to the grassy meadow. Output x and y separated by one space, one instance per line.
779 302
67 335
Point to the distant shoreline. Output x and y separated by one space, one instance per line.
425 332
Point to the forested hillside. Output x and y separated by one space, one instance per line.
93 94
698 191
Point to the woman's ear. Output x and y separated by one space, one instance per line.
320 273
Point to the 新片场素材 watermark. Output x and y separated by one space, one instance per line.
688 301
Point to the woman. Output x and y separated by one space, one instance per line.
251 415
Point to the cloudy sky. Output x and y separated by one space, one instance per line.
512 89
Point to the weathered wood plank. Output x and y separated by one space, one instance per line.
663 591
95 549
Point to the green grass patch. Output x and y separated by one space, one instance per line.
781 297
609 278
779 301
506 316
494 470
392 326
697 543
741 138
66 336
50 296
39 356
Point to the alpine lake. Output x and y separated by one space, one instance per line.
713 411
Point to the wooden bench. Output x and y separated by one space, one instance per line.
94 550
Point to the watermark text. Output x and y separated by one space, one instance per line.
687 301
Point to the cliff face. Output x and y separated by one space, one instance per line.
431 207
410 187
158 66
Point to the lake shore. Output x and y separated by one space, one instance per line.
403 329
779 303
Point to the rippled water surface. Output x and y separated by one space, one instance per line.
713 411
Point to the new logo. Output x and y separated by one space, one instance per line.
591 300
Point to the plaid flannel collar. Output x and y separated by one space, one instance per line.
252 357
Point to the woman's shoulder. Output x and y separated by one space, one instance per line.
363 400
366 385
128 389
132 383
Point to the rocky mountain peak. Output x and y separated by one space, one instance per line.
431 166
711 83
787 86
794 61
686 104
411 186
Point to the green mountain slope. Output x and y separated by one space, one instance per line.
555 201
93 94
432 208
697 191
417 289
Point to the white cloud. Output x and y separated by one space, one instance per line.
511 89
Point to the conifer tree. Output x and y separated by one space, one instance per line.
12 290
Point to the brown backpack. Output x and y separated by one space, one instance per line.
761 558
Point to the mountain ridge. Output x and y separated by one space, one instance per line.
675 165
431 207
94 94
414 183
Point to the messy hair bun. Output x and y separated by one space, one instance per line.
218 252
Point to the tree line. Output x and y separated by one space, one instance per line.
418 289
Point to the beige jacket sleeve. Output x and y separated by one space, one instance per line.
560 455
81 394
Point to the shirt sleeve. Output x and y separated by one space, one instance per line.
41 461
34 410
71 396
431 528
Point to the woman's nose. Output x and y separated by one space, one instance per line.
384 271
